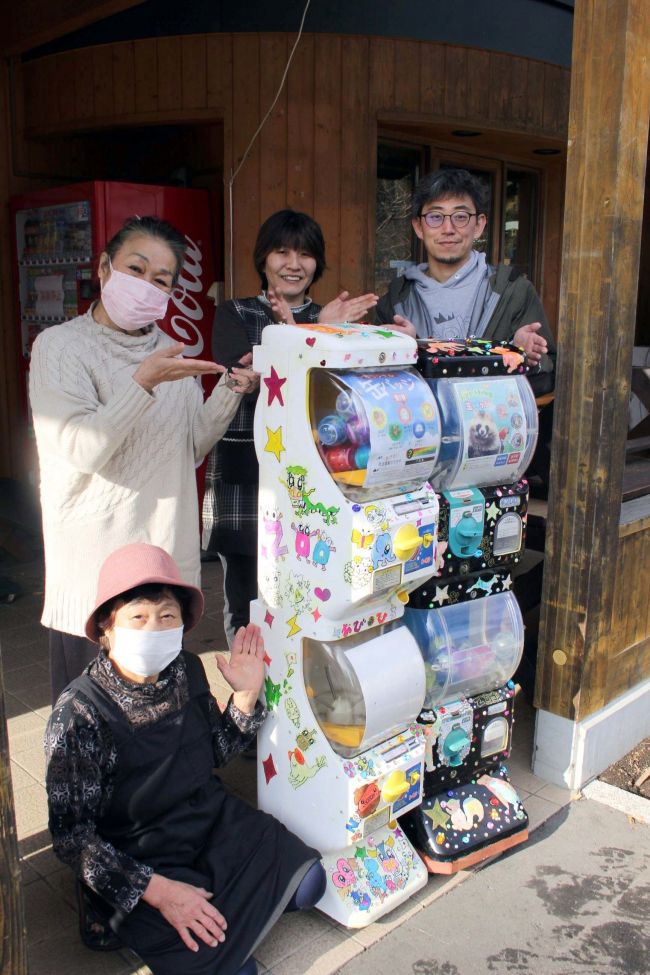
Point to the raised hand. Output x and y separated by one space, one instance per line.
401 324
533 344
187 909
245 669
167 365
280 307
343 308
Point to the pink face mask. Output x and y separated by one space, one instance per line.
131 302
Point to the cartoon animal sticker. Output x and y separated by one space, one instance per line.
302 541
299 771
382 550
358 572
306 739
295 484
464 814
322 550
272 692
344 875
271 542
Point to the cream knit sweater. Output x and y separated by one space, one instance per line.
117 463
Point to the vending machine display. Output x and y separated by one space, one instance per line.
348 524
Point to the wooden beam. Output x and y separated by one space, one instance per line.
36 22
13 947
606 162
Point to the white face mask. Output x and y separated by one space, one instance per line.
145 652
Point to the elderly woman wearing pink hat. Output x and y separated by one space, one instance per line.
187 875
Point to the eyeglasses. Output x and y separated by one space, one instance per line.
435 219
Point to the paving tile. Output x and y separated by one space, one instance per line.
26 741
25 677
292 932
43 859
46 912
32 763
29 875
62 882
523 779
323 956
539 810
37 698
555 793
31 810
21 723
20 777
64 954
13 706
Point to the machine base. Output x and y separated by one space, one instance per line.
467 824
369 879
449 867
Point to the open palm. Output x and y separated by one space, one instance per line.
245 669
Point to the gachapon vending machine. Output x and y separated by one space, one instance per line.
347 434
471 645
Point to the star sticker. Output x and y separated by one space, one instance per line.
274 443
437 815
507 582
267 659
274 385
360 853
398 832
293 626
268 619
316 615
492 511
269 768
442 595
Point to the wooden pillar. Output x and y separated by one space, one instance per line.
608 131
13 955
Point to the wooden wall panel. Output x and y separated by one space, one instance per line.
381 68
218 55
170 74
456 83
145 58
194 71
357 185
275 140
328 135
432 79
246 116
406 58
102 81
300 127
123 78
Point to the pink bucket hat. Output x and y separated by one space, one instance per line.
136 565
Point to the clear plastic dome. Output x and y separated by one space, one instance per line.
377 432
365 688
489 430
468 647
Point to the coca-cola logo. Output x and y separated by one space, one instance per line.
185 324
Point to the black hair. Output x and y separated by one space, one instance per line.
152 592
152 227
445 183
288 228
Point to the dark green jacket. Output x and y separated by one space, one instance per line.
518 305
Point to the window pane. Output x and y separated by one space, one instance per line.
398 169
520 221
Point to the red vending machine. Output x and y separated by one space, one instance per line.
60 233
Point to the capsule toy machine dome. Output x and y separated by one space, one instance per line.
472 645
347 433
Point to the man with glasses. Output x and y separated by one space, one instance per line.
457 294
